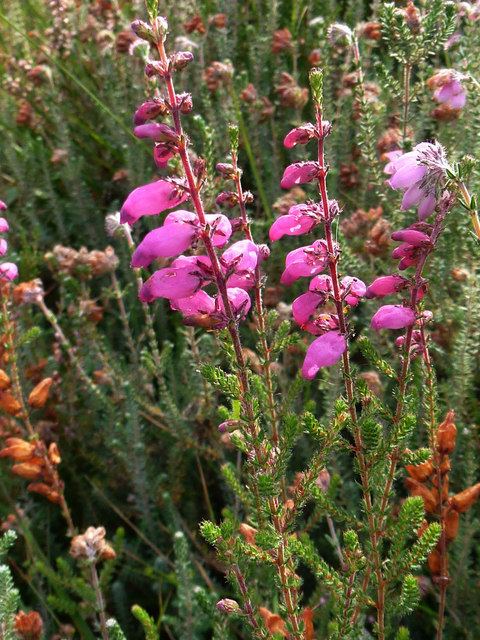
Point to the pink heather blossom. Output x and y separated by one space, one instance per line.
171 283
325 351
156 131
198 304
3 247
300 135
305 306
321 284
165 242
8 271
301 218
239 262
305 261
3 223
408 255
352 289
299 173
386 285
162 154
448 88
3 206
392 316
411 236
149 110
150 200
239 300
421 174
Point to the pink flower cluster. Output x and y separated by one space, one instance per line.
421 173
183 282
8 270
312 260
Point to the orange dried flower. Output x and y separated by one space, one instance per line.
54 454
123 41
17 449
247 532
415 488
92 546
462 501
28 626
447 434
307 616
452 521
435 563
445 113
9 403
315 58
249 94
5 381
371 30
28 292
291 94
39 394
45 490
282 41
273 622
218 74
195 24
420 472
219 20
28 470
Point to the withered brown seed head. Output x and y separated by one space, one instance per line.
91 546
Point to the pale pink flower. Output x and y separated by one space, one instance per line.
448 88
421 173
3 247
4 227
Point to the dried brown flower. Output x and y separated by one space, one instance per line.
92 546
39 394
218 74
281 41
28 626
291 94
195 24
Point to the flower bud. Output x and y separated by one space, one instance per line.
228 425
435 563
39 395
181 59
228 606
45 490
28 470
155 68
142 30
184 102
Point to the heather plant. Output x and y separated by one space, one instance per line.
270 457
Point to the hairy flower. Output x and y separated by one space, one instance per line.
151 199
92 546
448 88
421 173
299 173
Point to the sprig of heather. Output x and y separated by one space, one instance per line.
422 173
233 273
332 343
242 198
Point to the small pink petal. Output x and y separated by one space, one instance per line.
325 351
3 247
392 316
305 305
199 303
299 135
406 176
222 229
427 207
3 224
